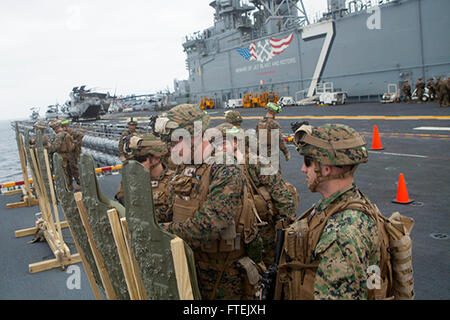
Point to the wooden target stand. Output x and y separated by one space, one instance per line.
28 198
49 225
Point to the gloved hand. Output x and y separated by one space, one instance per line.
287 156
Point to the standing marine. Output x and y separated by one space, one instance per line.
206 207
77 136
443 92
149 151
329 248
431 86
406 91
63 145
132 124
276 200
420 89
269 124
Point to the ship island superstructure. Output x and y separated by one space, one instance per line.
358 46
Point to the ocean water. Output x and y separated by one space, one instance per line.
10 169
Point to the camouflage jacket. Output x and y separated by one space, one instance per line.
271 124
406 88
62 144
282 198
346 248
161 191
223 201
77 136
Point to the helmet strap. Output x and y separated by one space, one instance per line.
320 178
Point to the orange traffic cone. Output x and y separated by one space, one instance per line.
376 142
402 193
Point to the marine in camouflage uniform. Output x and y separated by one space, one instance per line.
127 133
406 90
328 249
276 199
443 92
123 154
149 151
233 117
420 87
269 123
63 145
205 205
431 90
77 136
38 125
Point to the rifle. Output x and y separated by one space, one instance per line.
269 277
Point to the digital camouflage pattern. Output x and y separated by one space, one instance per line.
218 211
161 191
346 249
234 117
149 144
77 136
185 115
331 153
283 205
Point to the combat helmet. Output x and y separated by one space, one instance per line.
132 121
40 125
234 117
148 144
333 145
54 124
182 116
273 108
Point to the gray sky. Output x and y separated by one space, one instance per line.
47 47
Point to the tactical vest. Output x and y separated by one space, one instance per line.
190 189
262 198
297 269
66 148
160 189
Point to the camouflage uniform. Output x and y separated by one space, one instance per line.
406 89
276 199
204 203
150 145
345 250
431 89
420 87
271 124
45 139
331 247
63 145
443 91
77 136
123 155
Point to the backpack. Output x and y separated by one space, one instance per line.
395 278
